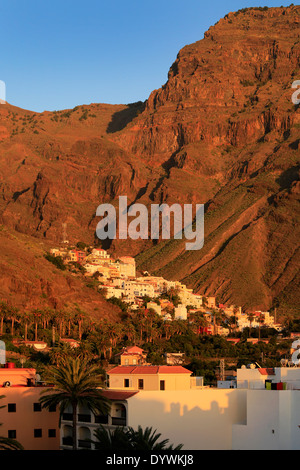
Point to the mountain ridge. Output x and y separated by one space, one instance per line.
221 131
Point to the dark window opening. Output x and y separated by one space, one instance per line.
37 433
37 407
141 384
51 432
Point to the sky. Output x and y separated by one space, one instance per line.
60 54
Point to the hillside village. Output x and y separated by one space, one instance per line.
119 279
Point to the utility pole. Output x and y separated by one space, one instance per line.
222 369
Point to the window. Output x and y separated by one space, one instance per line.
162 385
12 434
11 407
51 432
141 384
126 382
134 362
37 433
52 408
37 407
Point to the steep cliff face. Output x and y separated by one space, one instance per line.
58 167
222 131
223 93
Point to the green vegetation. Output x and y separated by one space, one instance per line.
128 439
56 260
76 382
100 340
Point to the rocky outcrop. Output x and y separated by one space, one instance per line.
222 131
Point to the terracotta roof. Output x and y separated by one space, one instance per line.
134 349
266 371
149 370
117 394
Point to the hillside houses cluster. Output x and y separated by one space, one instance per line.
119 279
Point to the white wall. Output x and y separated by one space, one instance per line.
273 419
198 419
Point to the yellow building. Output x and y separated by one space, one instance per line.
151 377
132 355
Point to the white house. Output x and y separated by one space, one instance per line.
180 312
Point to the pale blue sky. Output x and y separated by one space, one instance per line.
60 54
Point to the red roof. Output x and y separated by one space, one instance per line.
117 395
266 371
141 370
133 349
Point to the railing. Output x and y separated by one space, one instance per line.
101 419
118 421
67 441
84 418
84 444
261 385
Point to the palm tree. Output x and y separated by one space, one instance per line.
76 382
261 320
60 353
250 317
27 319
129 439
37 316
13 315
5 442
146 439
110 440
3 315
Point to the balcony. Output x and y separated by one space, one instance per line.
101 419
84 418
84 444
118 421
67 441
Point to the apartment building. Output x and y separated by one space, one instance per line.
22 417
138 289
127 266
180 312
88 422
77 256
100 253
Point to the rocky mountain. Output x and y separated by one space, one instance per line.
223 131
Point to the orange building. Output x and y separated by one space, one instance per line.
22 417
